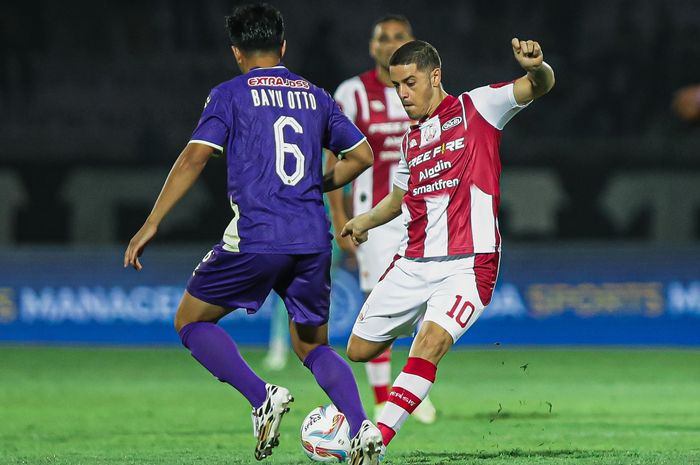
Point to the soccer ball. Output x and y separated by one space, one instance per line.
325 435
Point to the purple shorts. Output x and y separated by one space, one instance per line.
243 280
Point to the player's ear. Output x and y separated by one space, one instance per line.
436 77
284 48
237 53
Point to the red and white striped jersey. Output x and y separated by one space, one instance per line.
450 167
377 111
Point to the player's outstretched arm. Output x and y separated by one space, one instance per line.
539 78
182 176
386 210
353 163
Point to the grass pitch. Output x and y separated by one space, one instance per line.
88 406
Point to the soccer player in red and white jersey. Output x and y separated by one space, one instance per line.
447 186
371 102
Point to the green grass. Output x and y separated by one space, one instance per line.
88 406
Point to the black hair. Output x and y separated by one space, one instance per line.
421 53
394 17
256 28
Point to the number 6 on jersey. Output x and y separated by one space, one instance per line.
282 147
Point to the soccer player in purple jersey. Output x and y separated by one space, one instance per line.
272 125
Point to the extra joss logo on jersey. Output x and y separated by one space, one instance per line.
276 81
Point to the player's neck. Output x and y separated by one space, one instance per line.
383 76
436 102
260 61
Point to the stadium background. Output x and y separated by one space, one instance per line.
600 214
601 183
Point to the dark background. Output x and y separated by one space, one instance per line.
117 87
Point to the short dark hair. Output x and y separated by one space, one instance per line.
419 52
394 17
256 28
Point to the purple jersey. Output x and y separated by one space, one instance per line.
272 124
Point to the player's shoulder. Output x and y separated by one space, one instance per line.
487 90
226 88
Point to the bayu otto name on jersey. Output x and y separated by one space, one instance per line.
450 146
292 99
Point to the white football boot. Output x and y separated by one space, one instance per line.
267 418
366 446
425 412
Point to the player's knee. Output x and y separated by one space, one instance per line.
431 345
180 321
357 353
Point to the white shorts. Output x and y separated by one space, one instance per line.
375 255
455 289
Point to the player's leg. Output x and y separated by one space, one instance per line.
306 293
373 258
307 296
461 289
211 346
222 281
425 412
391 310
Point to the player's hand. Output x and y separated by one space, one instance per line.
528 53
344 242
137 244
357 234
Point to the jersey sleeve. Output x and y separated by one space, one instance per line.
214 125
345 97
401 174
341 134
496 103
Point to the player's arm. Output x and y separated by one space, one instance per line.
386 210
336 205
350 166
182 176
539 78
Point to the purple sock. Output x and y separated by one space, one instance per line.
211 346
335 377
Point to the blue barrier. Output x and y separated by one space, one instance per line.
585 295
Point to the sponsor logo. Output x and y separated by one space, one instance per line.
438 185
684 299
434 171
377 105
393 127
393 141
450 146
452 123
596 299
276 81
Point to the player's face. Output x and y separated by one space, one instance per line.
387 37
417 89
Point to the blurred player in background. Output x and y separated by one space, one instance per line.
278 346
686 103
371 102
447 185
272 125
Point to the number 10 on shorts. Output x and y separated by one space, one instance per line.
461 312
